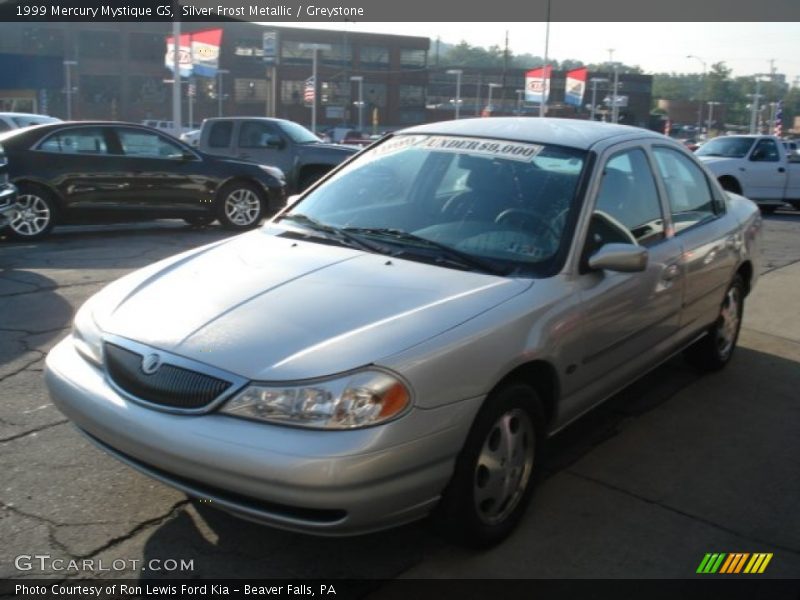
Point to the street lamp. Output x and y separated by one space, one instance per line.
520 94
754 106
220 94
457 73
489 100
594 81
711 106
702 94
68 82
360 103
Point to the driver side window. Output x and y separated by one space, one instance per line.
627 209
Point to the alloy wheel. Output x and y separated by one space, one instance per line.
728 324
242 207
31 217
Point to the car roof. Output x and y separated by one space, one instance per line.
574 133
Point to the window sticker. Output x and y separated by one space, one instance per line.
474 146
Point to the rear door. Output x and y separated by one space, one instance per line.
710 237
217 138
82 166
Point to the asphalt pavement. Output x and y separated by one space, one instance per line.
676 466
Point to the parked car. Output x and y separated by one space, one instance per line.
192 138
8 192
15 120
86 172
285 144
756 166
404 337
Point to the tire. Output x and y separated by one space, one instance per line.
36 213
240 206
476 509
714 350
200 220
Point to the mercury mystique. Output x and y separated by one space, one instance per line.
402 339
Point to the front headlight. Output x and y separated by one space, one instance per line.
87 335
357 400
274 171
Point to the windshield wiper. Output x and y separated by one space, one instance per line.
336 233
447 253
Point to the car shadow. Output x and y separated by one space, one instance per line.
32 314
225 546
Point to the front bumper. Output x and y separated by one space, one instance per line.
321 482
8 201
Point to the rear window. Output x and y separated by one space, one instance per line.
220 134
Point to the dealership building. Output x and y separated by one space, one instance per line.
117 71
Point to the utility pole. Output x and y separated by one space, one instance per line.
176 67
702 92
505 70
68 90
457 73
545 82
614 103
594 81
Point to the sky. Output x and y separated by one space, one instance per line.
656 47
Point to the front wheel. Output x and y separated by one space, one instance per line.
241 206
714 350
495 471
35 213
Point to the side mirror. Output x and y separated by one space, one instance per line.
758 154
276 143
625 258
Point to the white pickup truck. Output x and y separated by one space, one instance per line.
756 166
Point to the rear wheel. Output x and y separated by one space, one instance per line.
495 472
241 206
35 213
714 350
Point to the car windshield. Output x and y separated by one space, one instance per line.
478 204
729 147
298 133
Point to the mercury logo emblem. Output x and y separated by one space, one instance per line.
151 363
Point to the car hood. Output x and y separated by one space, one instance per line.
270 307
714 162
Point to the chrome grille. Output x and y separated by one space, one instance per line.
170 386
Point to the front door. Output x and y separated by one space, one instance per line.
766 173
263 142
627 316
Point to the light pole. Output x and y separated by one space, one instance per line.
545 86
711 106
457 73
520 94
360 81
68 82
176 68
594 81
220 93
702 93
754 105
489 100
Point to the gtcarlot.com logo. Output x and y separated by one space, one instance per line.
44 562
723 563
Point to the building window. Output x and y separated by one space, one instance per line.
148 90
334 93
40 40
147 46
293 53
292 92
250 90
413 59
337 55
412 95
249 47
99 44
375 94
99 89
374 57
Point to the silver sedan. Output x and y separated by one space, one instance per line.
403 338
